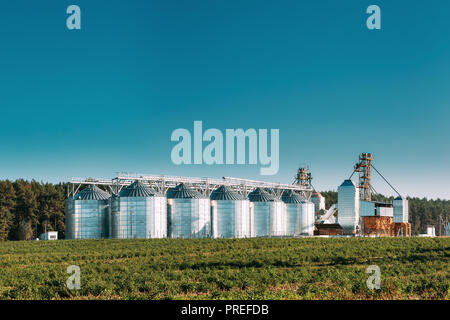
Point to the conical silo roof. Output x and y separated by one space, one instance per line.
138 189
225 193
260 195
290 196
92 192
348 183
183 192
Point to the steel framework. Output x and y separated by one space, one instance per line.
162 183
363 167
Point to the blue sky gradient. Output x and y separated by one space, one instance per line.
106 98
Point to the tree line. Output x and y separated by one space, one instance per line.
29 208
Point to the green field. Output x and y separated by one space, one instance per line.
308 268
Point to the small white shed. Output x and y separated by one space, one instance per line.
51 235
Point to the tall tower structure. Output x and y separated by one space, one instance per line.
364 168
303 177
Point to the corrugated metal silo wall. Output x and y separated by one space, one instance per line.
401 213
293 212
230 218
348 212
366 208
138 217
307 218
189 218
269 218
86 219
279 219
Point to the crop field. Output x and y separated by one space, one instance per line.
296 268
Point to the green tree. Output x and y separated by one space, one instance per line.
7 205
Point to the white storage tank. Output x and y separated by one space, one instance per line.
138 212
188 213
269 214
87 214
294 205
348 211
230 214
400 210
307 218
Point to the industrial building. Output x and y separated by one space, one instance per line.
143 206
358 215
50 235
431 232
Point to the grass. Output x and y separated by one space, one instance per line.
307 268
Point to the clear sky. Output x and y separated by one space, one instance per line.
106 98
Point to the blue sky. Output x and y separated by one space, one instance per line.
106 98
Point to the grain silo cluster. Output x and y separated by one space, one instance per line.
143 206
188 210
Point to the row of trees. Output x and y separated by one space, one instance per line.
423 212
28 209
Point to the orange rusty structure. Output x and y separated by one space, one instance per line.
377 226
402 229
380 226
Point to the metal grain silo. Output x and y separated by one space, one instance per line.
188 212
400 209
269 214
307 218
86 214
294 205
138 212
348 209
230 214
